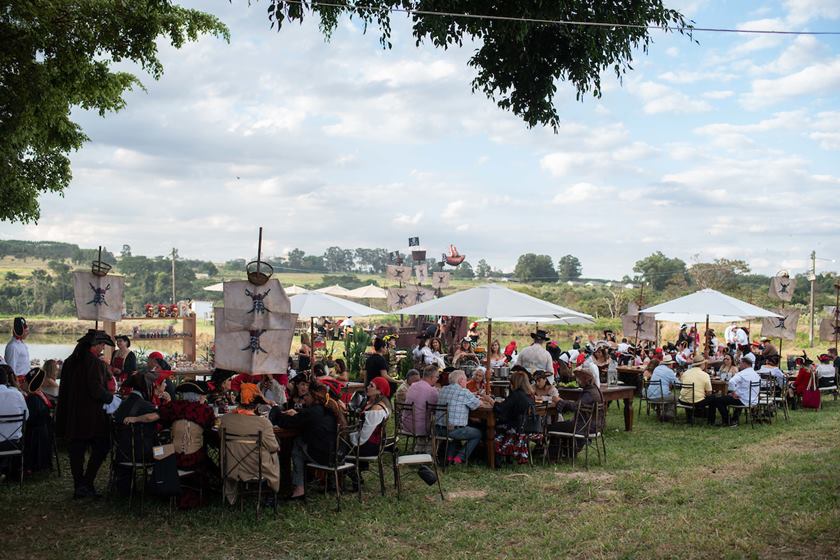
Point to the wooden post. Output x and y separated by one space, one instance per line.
487 374
639 312
110 327
189 342
96 323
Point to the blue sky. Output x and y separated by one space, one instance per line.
728 148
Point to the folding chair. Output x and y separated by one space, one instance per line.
404 416
135 461
690 408
11 446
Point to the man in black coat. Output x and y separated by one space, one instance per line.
80 416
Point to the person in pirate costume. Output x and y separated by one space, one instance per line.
80 416
38 449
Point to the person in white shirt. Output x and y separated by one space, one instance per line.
432 355
741 337
741 392
17 353
729 335
417 351
11 403
535 357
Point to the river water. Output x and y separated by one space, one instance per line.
58 347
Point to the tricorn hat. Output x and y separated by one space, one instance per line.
198 387
540 335
35 378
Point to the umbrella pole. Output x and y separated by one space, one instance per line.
311 343
708 343
487 374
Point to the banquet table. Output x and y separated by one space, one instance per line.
627 393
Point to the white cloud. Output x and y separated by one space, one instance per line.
719 94
579 192
659 98
406 220
803 11
454 209
815 80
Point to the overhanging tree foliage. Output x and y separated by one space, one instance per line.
59 55
518 63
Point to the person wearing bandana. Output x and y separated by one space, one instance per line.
17 352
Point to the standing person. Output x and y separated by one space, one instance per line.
80 416
535 357
17 352
376 365
497 359
124 361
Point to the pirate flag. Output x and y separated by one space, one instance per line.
254 351
398 273
421 272
98 298
829 328
783 327
255 307
399 298
440 280
781 287
643 323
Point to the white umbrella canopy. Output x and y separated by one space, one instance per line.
490 301
571 320
318 304
710 302
334 290
368 292
294 290
220 287
695 318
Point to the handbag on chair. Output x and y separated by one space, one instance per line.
811 396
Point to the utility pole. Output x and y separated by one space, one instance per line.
812 277
174 254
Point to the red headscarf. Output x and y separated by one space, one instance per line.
382 386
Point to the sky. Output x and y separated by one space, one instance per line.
723 149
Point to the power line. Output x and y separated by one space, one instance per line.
681 29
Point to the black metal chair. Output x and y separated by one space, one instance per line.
643 396
133 460
11 447
751 407
356 456
584 433
337 466
403 417
251 446
438 417
690 407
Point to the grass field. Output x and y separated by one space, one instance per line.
665 492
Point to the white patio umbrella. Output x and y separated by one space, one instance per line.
334 290
491 302
708 303
368 292
294 290
220 287
319 304
570 320
695 318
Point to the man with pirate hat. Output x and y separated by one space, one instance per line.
80 416
17 353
